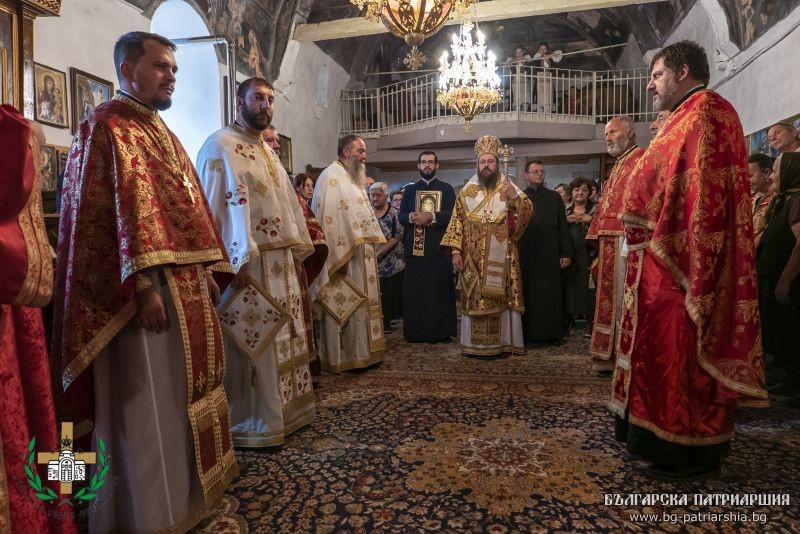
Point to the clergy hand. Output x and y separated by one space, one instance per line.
458 262
242 278
423 218
509 191
151 314
565 262
213 289
782 293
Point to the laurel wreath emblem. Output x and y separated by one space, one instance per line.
84 494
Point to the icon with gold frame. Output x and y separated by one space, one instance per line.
429 201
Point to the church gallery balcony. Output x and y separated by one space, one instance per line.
529 94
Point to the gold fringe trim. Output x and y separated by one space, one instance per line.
98 343
675 438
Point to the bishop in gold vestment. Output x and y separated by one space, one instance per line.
489 218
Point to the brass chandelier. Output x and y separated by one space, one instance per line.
413 20
469 84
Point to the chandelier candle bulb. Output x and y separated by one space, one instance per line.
469 84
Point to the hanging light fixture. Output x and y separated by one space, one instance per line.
413 20
469 84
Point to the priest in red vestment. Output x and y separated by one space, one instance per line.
26 402
307 271
607 233
134 318
689 347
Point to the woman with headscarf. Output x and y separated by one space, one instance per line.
778 265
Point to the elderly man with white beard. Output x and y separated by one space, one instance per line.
607 235
346 294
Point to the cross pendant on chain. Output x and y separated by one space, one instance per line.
189 186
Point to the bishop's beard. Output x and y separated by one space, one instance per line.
358 171
489 181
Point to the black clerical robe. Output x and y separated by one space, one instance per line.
429 295
546 240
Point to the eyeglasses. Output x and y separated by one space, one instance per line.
535 172
430 162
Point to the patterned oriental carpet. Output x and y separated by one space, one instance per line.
434 441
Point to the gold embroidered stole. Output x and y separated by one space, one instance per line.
488 216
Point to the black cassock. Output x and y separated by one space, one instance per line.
546 240
429 295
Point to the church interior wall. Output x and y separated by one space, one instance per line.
307 104
307 107
764 91
83 37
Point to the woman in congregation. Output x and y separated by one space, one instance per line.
304 186
579 300
778 265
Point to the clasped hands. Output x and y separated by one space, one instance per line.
421 218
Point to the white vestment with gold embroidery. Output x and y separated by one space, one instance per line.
346 295
266 349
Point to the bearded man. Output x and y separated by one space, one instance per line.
607 235
489 218
429 299
347 291
689 350
262 224
134 304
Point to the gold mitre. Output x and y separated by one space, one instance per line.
488 144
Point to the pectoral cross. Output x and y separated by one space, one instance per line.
189 186
66 444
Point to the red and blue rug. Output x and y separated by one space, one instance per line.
434 441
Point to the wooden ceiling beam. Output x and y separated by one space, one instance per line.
481 12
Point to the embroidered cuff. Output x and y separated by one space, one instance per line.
142 282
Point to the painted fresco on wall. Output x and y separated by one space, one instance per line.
249 24
750 19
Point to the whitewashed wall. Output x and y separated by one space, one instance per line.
307 106
83 37
763 91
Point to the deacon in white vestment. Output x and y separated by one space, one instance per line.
489 218
346 294
261 314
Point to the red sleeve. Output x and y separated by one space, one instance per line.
512 222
